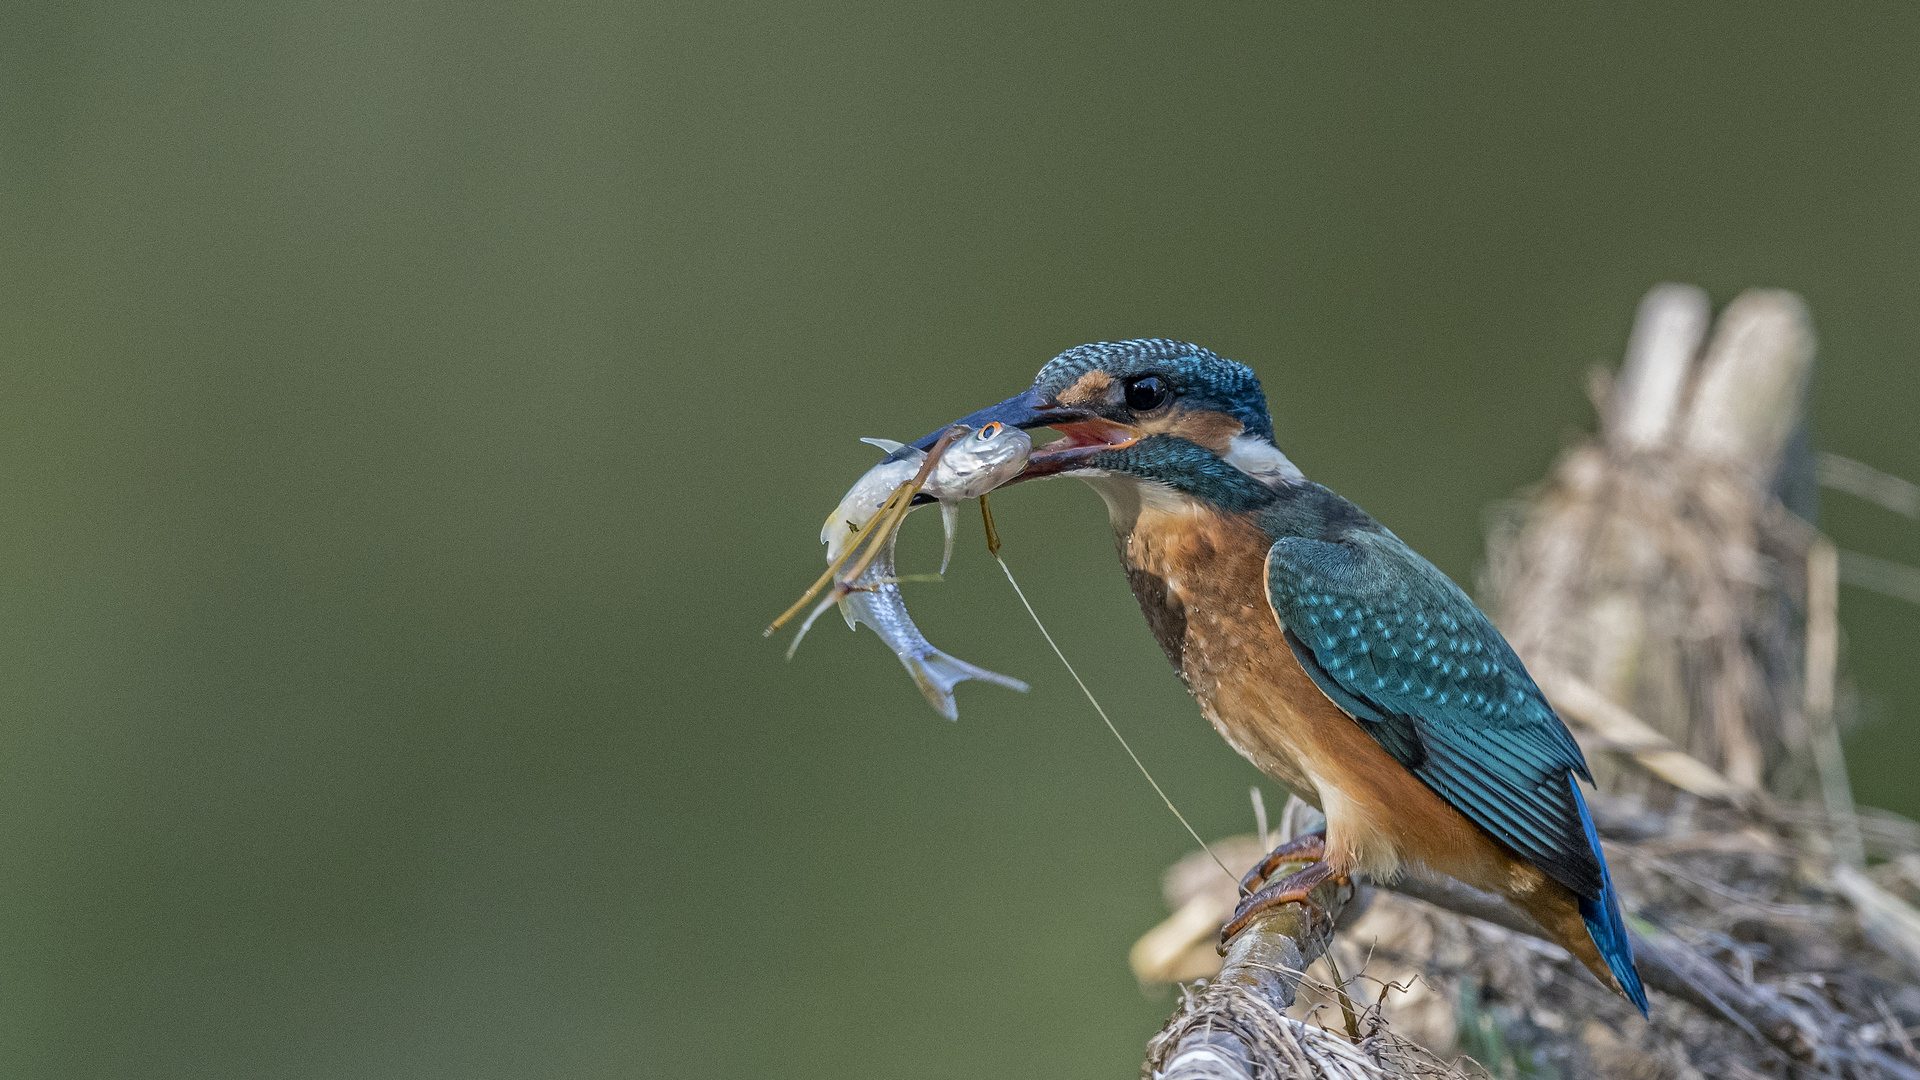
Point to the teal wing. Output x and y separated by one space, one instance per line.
1396 644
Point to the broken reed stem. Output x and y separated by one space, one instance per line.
1823 659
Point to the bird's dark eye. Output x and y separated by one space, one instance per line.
1147 393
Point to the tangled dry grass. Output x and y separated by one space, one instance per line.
1744 896
1816 989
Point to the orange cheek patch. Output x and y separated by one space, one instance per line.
1213 430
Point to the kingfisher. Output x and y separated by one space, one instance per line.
1325 650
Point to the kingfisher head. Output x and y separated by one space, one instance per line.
1150 409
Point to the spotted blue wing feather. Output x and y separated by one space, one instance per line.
1399 646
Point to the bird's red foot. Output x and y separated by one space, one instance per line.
1307 847
1295 888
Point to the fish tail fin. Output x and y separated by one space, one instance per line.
1602 916
936 674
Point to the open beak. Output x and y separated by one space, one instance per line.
1087 434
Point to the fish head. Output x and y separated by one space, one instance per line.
979 461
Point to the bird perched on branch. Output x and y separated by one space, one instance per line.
1324 649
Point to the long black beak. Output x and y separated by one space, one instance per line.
1031 409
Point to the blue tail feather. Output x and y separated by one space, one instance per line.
1602 916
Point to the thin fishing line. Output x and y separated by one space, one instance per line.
1095 702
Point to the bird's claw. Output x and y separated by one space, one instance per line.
1295 888
1307 847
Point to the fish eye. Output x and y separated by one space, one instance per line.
1146 393
991 431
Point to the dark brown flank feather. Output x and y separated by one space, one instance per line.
1165 617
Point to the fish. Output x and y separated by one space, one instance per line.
972 465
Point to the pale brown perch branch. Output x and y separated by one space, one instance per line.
1235 1026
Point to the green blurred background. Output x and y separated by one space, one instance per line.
412 412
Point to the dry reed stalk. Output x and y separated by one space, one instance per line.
1655 564
1823 665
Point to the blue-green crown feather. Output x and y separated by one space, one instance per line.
1202 379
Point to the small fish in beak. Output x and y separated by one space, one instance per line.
969 466
1087 433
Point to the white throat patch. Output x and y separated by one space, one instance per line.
1263 461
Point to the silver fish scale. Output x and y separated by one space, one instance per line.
973 465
